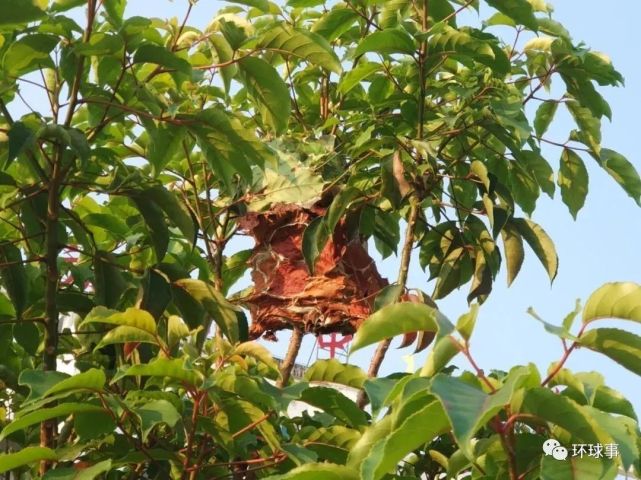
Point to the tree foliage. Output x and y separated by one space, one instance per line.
130 148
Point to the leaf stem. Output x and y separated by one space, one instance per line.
252 425
564 358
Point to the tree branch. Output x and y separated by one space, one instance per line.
290 359
406 257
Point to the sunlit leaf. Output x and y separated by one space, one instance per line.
614 300
26 456
268 89
386 41
540 243
623 172
573 180
397 319
33 418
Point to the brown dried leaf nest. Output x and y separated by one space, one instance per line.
337 297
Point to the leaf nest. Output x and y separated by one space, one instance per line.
336 297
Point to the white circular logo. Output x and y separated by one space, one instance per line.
560 453
549 445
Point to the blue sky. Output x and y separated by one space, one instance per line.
600 246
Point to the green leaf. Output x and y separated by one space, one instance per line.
90 473
544 116
32 418
94 424
624 432
372 434
479 169
623 172
155 413
389 294
111 223
335 22
234 268
333 371
242 414
559 410
299 455
388 42
315 237
132 317
417 429
265 85
109 282
339 206
176 211
21 138
115 9
27 335
304 3
589 125
318 471
259 352
302 44
22 11
577 468
608 400
573 180
377 390
79 145
332 443
470 408
13 276
155 221
156 293
176 330
540 242
554 28
454 271
29 53
621 346
444 350
225 54
481 280
39 381
539 168
126 335
262 5
223 312
467 321
519 10
513 251
26 456
164 367
363 71
289 182
614 300
560 332
93 379
149 53
524 187
336 404
164 143
397 319
100 45
63 5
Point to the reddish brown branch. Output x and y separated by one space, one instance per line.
290 359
